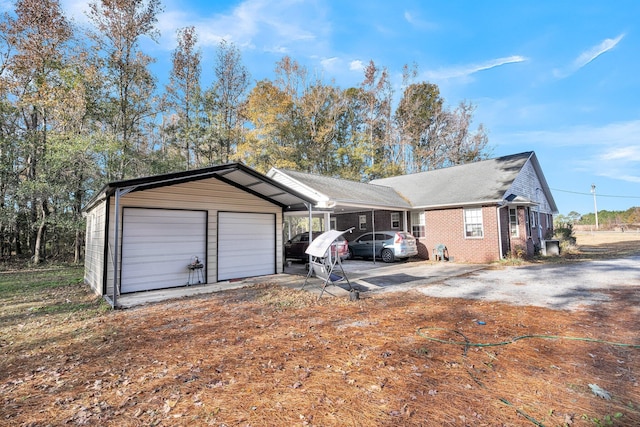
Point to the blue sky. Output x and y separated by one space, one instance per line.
556 77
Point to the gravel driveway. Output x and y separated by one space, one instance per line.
557 286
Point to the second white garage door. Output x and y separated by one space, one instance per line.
246 245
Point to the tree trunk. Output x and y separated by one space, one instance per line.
77 253
37 250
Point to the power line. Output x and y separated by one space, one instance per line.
590 194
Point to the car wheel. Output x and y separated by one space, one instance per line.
350 255
387 255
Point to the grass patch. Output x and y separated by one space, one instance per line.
25 282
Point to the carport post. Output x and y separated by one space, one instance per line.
310 228
373 227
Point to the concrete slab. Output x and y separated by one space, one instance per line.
365 276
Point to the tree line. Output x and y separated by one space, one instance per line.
606 219
79 107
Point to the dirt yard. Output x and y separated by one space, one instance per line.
271 356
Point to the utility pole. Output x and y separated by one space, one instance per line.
595 206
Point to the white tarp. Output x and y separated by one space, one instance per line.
321 244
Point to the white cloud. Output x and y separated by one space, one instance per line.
610 136
588 56
417 22
596 51
356 65
262 24
467 70
623 154
329 64
611 150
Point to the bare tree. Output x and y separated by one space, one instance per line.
378 94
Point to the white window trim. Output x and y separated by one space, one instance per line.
517 223
362 225
397 220
421 223
464 220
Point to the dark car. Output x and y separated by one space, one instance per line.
296 247
389 245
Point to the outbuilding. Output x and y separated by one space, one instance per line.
207 225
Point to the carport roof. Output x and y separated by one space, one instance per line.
236 174
341 194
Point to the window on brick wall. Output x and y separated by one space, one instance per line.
395 220
362 222
418 224
473 223
513 222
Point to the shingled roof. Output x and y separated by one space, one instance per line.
485 182
344 192
480 182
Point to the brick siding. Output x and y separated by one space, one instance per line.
383 222
446 226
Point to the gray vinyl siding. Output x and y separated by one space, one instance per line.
525 185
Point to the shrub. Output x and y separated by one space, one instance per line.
565 234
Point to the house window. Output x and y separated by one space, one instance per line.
395 220
418 224
473 223
513 222
533 219
333 223
362 222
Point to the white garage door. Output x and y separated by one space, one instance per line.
157 246
246 245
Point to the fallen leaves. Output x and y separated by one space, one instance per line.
247 359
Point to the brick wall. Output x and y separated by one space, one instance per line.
382 222
519 243
527 240
447 226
